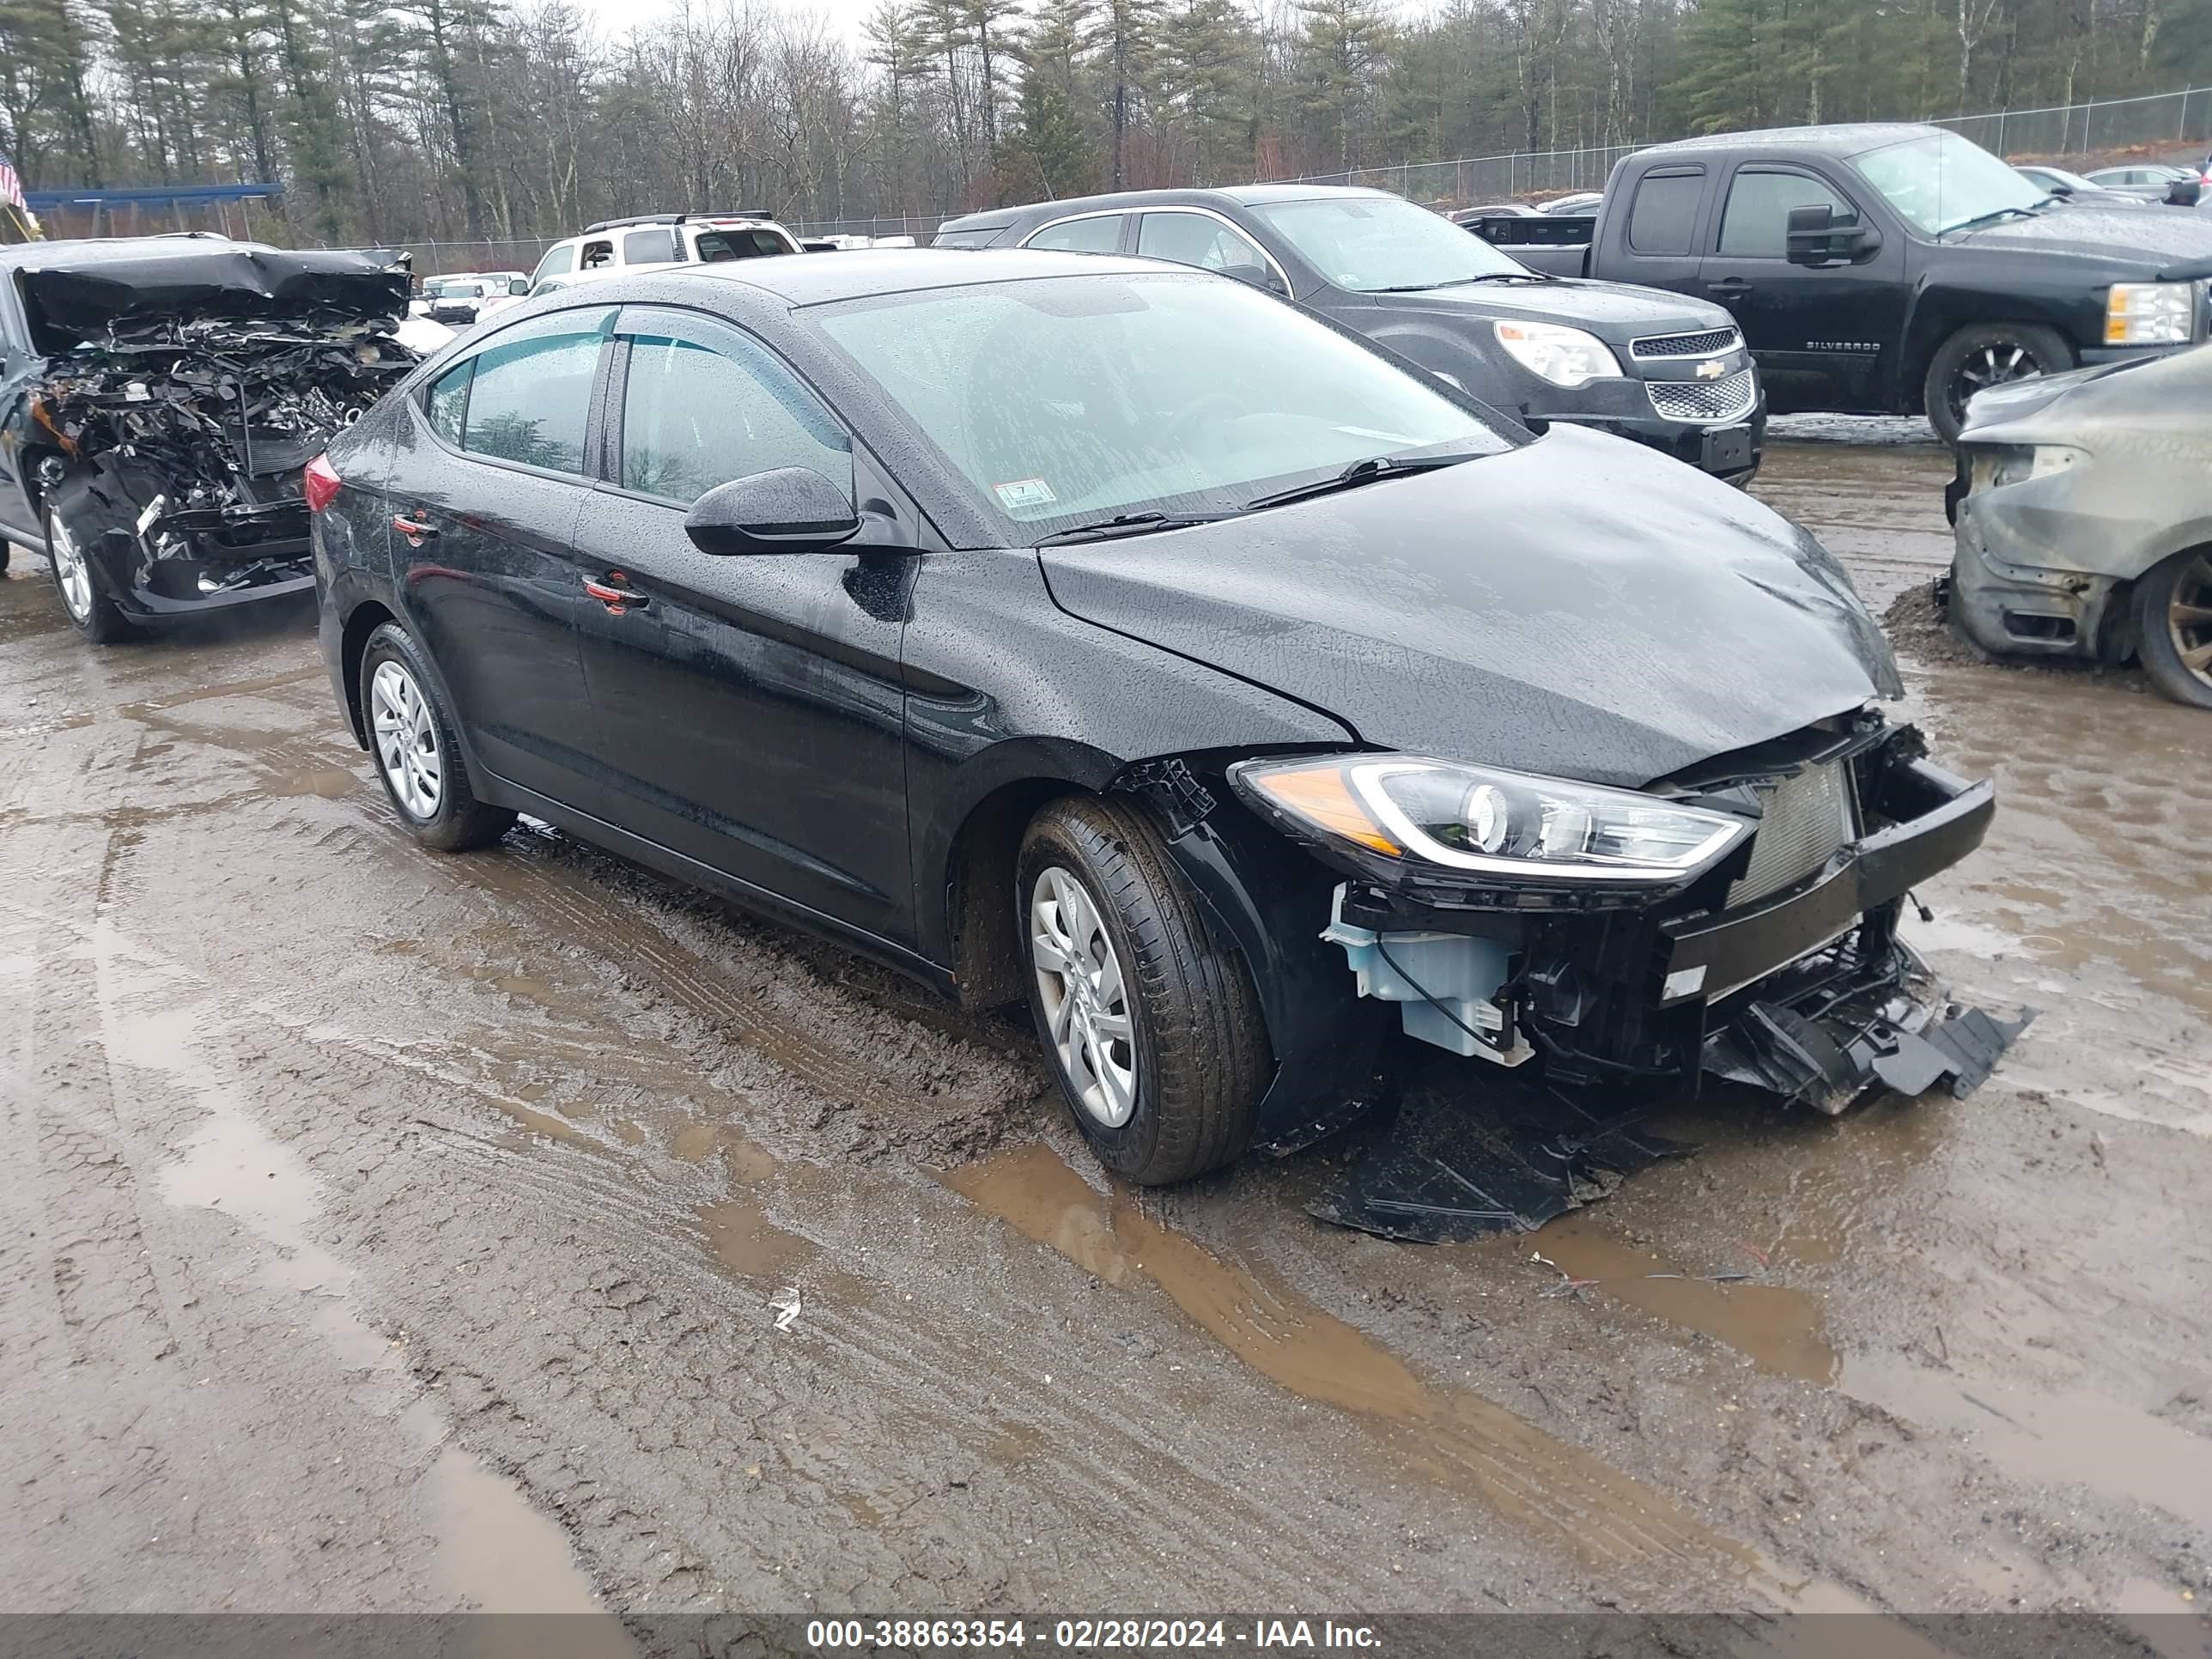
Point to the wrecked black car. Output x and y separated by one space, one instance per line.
2082 509
1087 631
159 399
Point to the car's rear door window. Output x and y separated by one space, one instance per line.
654 245
527 397
704 403
1663 218
1755 224
1099 233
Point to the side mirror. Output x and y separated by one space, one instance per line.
1259 277
792 509
517 286
1819 235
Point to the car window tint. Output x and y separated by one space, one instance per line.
695 417
448 400
531 396
653 246
1756 224
1665 212
1101 234
1191 238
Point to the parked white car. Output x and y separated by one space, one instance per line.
660 238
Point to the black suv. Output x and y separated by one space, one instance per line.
1666 370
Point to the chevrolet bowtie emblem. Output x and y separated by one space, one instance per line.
1711 370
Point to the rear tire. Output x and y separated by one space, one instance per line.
74 524
1160 1052
2173 626
418 758
1986 355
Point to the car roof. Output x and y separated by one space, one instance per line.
1128 200
1854 139
103 249
802 279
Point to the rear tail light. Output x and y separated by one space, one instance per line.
320 484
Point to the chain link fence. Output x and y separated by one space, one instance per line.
2084 133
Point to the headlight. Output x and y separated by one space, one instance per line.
1565 356
2150 314
1411 808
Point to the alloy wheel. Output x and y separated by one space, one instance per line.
1084 995
406 741
1999 363
71 573
2189 618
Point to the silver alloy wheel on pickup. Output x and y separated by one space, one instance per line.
1999 363
406 741
1085 999
71 574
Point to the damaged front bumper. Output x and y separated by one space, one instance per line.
1780 967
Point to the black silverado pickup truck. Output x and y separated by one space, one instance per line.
1886 269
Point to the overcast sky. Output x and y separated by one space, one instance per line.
615 16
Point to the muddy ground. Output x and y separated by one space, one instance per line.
395 1231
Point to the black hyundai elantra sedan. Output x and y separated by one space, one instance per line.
1118 637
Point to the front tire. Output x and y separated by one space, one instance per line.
1984 355
1153 1031
71 521
410 736
2173 624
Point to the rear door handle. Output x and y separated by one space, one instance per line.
417 531
617 600
1730 285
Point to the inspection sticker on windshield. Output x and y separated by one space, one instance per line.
1024 492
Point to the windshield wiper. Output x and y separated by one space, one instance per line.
1359 472
1127 524
1989 217
1461 281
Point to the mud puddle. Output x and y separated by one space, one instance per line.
1781 1330
1457 1438
493 1551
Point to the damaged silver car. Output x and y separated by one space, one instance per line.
2083 510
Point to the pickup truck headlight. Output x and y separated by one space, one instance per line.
1481 818
1565 356
2150 314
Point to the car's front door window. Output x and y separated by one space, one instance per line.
1756 224
703 404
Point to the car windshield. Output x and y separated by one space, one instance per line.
1375 244
1942 182
1065 401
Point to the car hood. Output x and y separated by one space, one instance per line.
1615 311
1580 606
2175 240
78 298
2164 395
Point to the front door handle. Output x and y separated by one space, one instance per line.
1730 285
417 531
617 600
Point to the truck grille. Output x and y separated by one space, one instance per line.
1806 819
1728 398
1709 343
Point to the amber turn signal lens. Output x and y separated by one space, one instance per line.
1321 797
